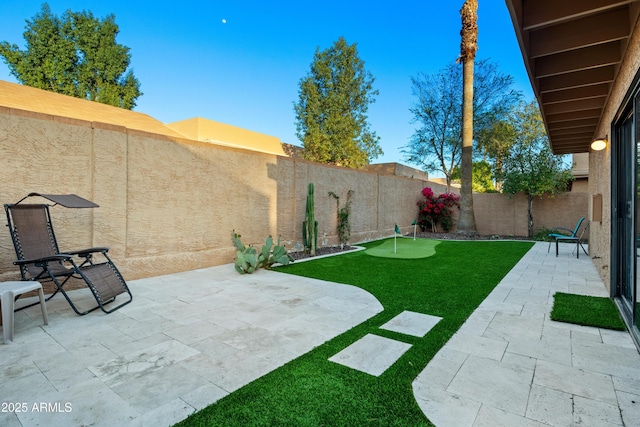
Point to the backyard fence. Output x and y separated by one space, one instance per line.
169 204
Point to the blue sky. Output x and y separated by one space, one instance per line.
246 72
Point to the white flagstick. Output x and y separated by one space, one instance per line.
396 231
394 241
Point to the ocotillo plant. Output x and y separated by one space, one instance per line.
344 227
310 226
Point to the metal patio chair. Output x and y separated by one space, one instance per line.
569 236
40 259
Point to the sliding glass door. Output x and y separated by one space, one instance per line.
625 154
633 299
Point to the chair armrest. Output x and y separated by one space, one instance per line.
58 257
85 252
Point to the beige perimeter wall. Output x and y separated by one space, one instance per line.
169 205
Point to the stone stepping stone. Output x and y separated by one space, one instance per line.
411 323
371 354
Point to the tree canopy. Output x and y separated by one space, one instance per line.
530 166
482 179
331 112
436 144
495 141
75 55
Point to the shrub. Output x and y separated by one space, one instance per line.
541 234
434 210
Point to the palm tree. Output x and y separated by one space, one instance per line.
468 47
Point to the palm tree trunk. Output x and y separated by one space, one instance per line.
468 47
498 167
530 215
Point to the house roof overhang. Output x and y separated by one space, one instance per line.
572 51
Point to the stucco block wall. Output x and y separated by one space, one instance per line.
499 214
562 210
180 196
377 203
489 206
169 204
42 156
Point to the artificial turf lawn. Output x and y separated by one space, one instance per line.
405 248
312 391
599 312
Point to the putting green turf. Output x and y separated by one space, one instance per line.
313 391
405 248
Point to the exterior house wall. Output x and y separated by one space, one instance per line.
600 161
201 129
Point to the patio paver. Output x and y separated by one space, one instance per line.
191 338
510 365
412 323
371 354
186 340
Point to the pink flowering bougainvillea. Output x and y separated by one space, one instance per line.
434 210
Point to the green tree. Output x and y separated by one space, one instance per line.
494 143
331 112
531 167
482 177
75 55
436 145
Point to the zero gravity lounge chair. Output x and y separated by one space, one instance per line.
40 258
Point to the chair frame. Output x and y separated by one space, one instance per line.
59 267
573 238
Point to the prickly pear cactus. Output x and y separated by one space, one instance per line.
249 260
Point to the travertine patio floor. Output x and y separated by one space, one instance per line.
186 340
189 339
510 365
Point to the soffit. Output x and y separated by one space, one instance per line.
572 51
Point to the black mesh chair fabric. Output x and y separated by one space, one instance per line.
40 258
